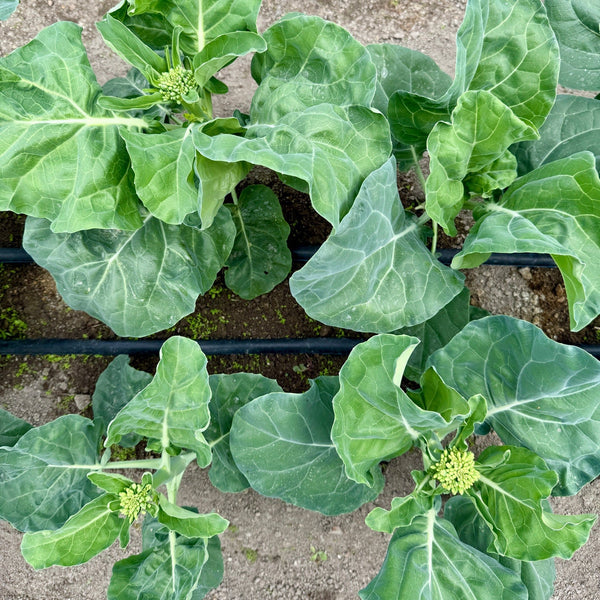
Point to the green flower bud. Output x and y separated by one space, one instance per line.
455 470
175 83
136 500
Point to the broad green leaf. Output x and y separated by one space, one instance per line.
427 561
402 513
173 407
374 419
7 8
110 482
281 443
132 89
130 48
300 145
260 258
11 428
404 73
222 50
188 523
506 48
115 387
138 282
151 27
538 576
229 394
553 209
576 24
202 21
216 179
374 273
540 394
481 131
156 535
572 126
519 58
309 61
508 495
437 331
163 164
160 573
44 475
93 529
400 68
61 156
212 571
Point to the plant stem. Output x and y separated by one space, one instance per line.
234 196
147 463
418 171
435 238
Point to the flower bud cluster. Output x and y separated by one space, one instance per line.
456 470
175 83
136 500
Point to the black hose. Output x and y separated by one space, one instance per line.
324 345
321 345
303 253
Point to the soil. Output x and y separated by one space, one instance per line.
269 551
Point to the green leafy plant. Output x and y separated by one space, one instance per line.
127 211
72 504
497 372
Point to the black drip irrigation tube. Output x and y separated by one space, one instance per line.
304 253
330 346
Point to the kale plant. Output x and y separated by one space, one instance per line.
125 186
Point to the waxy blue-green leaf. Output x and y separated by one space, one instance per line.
155 534
538 576
260 258
201 21
374 273
519 59
427 561
229 394
130 48
309 61
110 482
300 145
403 73
160 573
553 209
188 523
222 50
137 282
11 428
7 8
576 24
540 394
93 529
374 418
173 407
212 571
216 179
44 475
506 48
61 156
115 387
512 484
437 331
163 164
481 131
402 512
572 126
282 444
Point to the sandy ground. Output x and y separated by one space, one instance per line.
268 551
